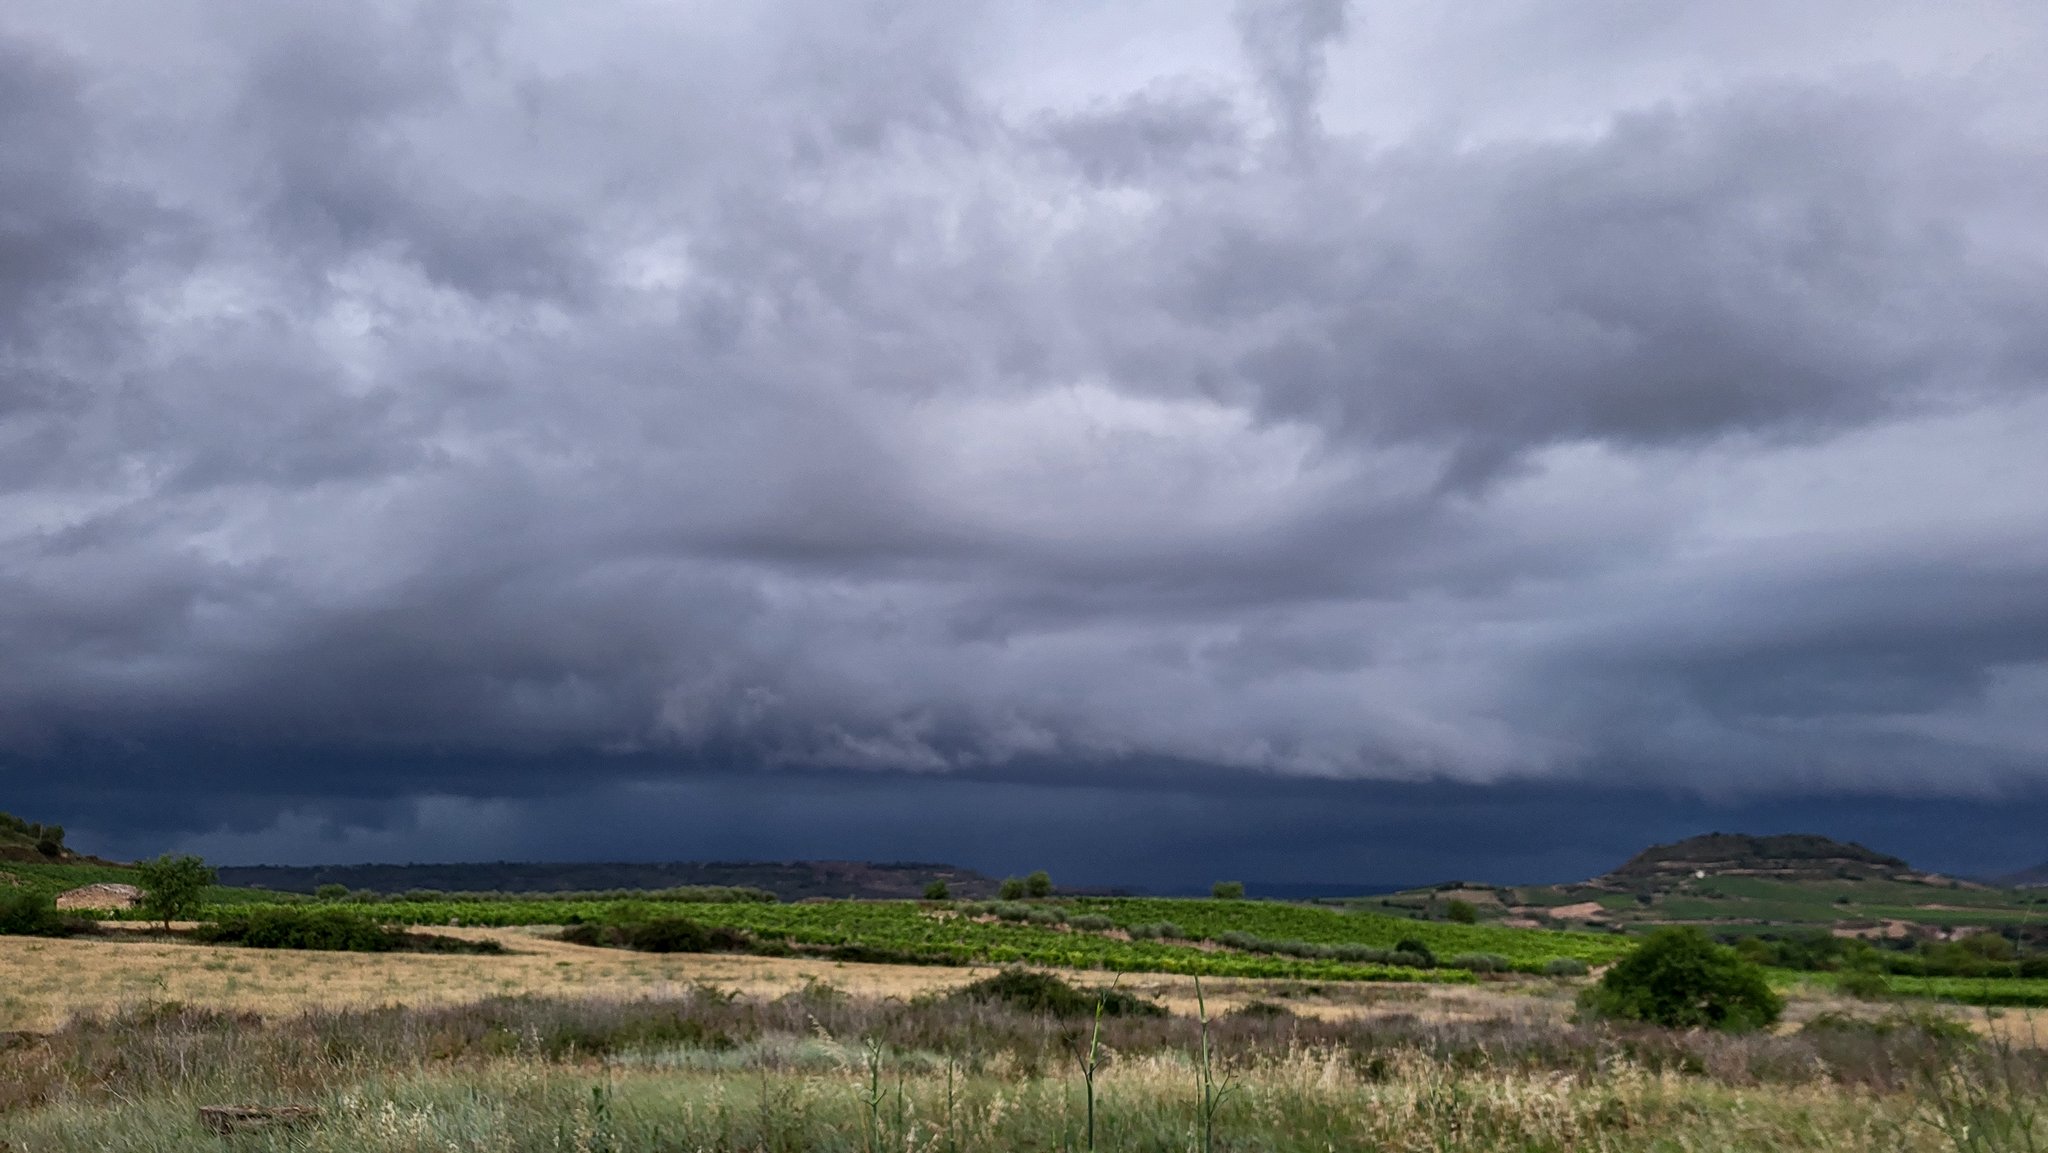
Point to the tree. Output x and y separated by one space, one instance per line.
331 892
937 891
1679 978
1462 911
1227 890
173 888
1038 884
1013 889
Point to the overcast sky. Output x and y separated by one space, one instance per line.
670 429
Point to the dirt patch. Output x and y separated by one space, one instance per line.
1584 911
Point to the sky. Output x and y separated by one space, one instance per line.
1150 441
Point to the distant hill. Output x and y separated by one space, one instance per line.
789 880
1791 857
2033 878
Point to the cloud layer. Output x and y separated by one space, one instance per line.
1588 393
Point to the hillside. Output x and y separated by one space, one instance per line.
2034 878
1742 883
789 880
31 841
1791 857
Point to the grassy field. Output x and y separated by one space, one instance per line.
50 879
819 1069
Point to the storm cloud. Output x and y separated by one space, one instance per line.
487 400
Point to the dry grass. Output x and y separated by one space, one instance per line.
49 981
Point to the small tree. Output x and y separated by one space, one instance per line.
938 891
1227 890
1038 884
1013 889
173 888
331 892
1462 911
1678 977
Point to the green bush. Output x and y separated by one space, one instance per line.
1417 949
1480 963
1564 967
1013 889
662 935
1091 922
327 929
1038 884
1034 992
938 891
1462 911
331 893
30 914
1681 979
1227 890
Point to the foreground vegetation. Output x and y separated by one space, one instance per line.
818 1070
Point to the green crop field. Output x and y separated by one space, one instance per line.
51 878
914 932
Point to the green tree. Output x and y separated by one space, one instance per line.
1013 889
1461 911
173 888
938 891
1038 884
1227 890
1679 978
331 892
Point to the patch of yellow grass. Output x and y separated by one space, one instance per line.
48 981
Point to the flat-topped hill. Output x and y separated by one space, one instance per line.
1789 857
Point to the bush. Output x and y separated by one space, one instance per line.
1091 922
938 891
1681 979
663 935
1038 884
1033 992
1416 948
1462 911
1227 890
1564 967
1157 930
1013 889
1481 962
28 914
327 929
331 893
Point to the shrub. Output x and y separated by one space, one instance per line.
1481 962
938 891
1047 916
1462 911
1033 992
1416 948
1864 984
1038 884
1564 967
30 914
662 935
1091 922
1681 979
327 929
1263 1009
1013 889
331 893
1227 890
1157 930
1012 911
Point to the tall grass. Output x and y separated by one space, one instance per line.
818 1071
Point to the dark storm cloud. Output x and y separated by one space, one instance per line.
485 400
